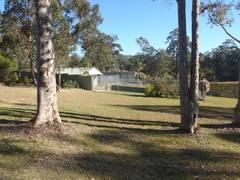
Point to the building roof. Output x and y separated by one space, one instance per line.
82 71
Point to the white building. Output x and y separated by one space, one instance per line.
87 77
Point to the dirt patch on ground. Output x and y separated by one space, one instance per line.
27 129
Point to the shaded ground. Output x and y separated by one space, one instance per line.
117 136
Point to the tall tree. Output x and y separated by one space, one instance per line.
18 30
100 49
20 15
221 64
186 120
195 62
218 13
14 41
151 58
188 95
172 49
47 103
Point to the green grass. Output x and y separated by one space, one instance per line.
117 136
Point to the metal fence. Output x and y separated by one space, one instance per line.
109 79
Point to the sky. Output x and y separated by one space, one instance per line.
131 19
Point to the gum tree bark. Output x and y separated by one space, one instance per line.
218 16
194 89
30 41
236 120
47 105
186 120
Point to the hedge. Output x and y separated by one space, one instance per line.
224 89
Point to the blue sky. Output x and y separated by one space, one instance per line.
131 19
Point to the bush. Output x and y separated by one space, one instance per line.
26 81
149 90
70 84
7 67
12 79
224 89
164 87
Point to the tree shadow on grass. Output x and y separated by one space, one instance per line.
121 121
230 136
148 126
8 147
14 119
153 162
204 111
140 160
18 104
150 165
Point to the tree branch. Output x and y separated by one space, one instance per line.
230 35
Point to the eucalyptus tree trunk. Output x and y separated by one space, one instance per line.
47 105
194 88
186 119
31 61
237 108
33 69
30 41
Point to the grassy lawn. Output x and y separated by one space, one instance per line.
117 136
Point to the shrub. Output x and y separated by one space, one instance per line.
70 84
26 81
12 79
224 89
164 87
6 68
149 90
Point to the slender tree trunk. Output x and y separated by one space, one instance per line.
195 62
186 120
30 39
177 60
237 108
33 68
60 78
47 105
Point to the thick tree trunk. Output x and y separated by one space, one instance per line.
47 105
186 120
237 108
194 88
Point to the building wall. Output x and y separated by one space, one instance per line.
94 82
85 82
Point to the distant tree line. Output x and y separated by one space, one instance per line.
219 64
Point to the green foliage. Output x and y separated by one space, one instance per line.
6 67
69 84
149 90
162 87
63 42
225 89
74 21
77 61
172 50
27 81
222 63
100 49
12 79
